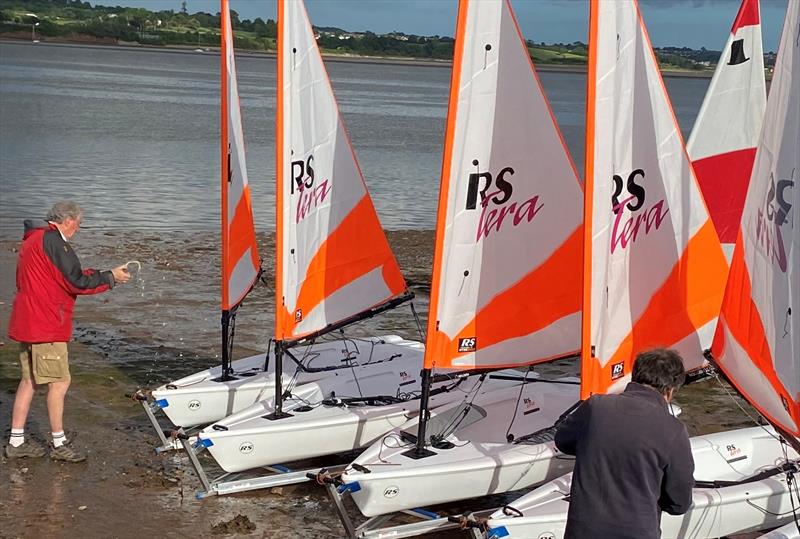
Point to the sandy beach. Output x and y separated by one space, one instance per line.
162 325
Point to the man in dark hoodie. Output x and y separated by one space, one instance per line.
49 278
633 458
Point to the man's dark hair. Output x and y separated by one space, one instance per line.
660 369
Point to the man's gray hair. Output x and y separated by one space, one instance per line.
63 210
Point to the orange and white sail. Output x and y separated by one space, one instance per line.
757 343
506 276
240 261
333 258
723 143
654 267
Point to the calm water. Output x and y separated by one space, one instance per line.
133 135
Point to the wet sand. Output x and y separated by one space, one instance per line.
162 325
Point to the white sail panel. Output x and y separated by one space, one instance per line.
723 142
656 265
759 328
328 232
508 235
240 261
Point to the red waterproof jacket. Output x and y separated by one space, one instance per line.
49 278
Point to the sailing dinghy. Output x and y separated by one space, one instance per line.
347 269
744 476
334 263
506 284
723 142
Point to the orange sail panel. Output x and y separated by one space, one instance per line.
654 267
240 261
723 143
757 343
333 258
506 279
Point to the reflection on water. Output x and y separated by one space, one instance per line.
133 134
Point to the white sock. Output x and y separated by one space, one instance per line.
17 437
59 439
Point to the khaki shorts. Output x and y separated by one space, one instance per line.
47 362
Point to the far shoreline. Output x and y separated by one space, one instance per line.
341 58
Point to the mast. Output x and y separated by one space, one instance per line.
240 264
509 214
653 265
420 451
587 349
757 338
280 172
334 266
225 174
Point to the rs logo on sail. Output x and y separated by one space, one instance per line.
494 218
641 219
776 210
311 196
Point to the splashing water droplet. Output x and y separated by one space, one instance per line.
137 274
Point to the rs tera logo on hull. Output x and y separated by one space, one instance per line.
492 219
194 405
246 447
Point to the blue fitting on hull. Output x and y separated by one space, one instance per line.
496 533
203 442
161 403
349 487
426 513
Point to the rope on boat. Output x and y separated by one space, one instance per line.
470 521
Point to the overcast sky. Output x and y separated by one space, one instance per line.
690 23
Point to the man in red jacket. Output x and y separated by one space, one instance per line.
49 278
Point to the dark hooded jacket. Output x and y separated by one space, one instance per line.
49 278
633 461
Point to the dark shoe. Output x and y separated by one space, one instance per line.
66 453
31 448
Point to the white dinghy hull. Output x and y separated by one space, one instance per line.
202 398
479 463
252 439
715 512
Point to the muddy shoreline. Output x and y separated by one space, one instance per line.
162 325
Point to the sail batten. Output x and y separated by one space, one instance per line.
506 278
653 265
723 142
240 260
333 258
757 342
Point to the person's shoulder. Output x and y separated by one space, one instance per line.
54 243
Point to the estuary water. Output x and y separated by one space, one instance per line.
133 134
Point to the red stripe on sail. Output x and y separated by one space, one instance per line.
748 15
723 180
342 258
547 294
